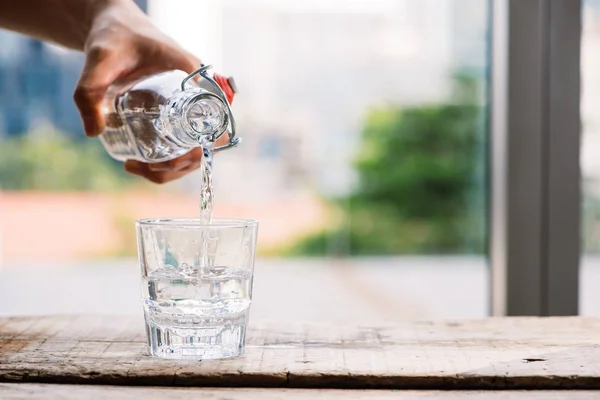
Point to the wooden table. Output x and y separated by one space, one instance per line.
554 354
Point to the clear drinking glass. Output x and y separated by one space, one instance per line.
196 285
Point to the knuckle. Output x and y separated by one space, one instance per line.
85 94
181 162
81 95
158 178
155 167
196 156
192 168
195 165
97 52
176 164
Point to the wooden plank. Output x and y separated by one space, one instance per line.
507 353
34 391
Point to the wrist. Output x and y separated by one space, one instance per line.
97 7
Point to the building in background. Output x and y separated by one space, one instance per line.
310 71
590 97
36 85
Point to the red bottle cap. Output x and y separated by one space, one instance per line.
227 85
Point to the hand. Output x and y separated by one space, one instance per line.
170 170
123 45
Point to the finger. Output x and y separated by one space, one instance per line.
100 71
164 177
184 61
164 57
173 165
192 167
143 170
133 167
180 163
176 57
224 139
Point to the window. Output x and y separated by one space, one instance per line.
364 159
590 113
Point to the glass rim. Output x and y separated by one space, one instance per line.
188 223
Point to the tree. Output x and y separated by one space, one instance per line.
420 186
50 160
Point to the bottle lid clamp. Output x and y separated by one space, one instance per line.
233 140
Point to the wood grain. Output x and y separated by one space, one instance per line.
509 353
36 391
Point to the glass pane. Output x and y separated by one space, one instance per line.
364 159
590 115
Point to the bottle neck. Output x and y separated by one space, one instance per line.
197 116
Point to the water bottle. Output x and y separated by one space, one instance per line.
163 116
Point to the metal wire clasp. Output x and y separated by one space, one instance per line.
233 141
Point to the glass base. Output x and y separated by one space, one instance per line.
195 343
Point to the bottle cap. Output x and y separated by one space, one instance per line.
232 84
226 85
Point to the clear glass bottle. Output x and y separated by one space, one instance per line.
163 116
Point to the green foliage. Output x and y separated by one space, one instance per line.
421 160
590 227
51 161
420 189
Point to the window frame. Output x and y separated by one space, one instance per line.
535 173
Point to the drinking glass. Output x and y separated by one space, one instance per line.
196 285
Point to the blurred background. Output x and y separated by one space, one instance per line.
364 159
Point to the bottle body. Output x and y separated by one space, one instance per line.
154 120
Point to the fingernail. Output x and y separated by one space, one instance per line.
133 167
